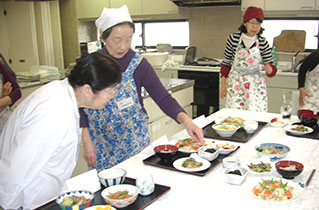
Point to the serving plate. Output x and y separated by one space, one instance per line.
178 164
296 193
273 157
191 149
258 161
289 128
278 122
96 207
222 120
223 150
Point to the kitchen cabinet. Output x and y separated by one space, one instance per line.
134 6
159 123
156 7
90 9
282 5
247 3
275 88
317 4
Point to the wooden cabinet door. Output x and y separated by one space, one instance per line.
134 6
158 7
90 9
247 3
276 5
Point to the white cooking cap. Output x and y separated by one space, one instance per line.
112 16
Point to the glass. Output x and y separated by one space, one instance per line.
145 184
286 109
254 24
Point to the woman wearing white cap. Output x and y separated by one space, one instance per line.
119 131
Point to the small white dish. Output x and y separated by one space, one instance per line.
250 126
235 179
225 148
203 152
290 129
259 161
278 122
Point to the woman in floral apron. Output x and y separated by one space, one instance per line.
308 82
246 86
119 131
10 92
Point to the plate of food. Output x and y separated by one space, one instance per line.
276 190
191 164
273 151
235 120
225 148
188 145
298 129
277 122
101 207
260 166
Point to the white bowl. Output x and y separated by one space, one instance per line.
207 155
273 157
120 203
250 126
112 176
225 148
220 129
234 178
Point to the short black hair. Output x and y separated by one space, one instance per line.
242 28
108 31
97 70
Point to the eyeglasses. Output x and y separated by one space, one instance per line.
254 24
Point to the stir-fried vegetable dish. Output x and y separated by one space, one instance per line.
119 195
301 129
269 150
188 144
74 200
191 163
260 167
273 190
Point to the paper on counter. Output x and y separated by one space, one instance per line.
200 121
86 181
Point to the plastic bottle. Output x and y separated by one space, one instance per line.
274 56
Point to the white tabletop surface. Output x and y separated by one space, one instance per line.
211 191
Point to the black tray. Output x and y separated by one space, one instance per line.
313 135
156 161
140 203
240 136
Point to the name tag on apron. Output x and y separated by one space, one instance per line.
253 51
125 103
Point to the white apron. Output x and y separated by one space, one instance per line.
312 87
246 87
4 115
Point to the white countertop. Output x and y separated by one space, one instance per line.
217 69
211 191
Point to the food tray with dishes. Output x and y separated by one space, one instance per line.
140 203
169 163
311 135
240 135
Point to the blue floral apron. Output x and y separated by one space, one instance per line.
246 87
119 131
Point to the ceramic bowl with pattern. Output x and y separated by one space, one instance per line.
120 195
75 200
112 176
209 153
235 177
273 151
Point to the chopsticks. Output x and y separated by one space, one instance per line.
310 177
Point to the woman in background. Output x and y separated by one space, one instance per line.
308 82
39 144
246 86
120 131
10 92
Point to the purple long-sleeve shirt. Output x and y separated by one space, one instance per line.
16 92
145 76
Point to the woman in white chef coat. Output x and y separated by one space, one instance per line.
246 86
39 144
